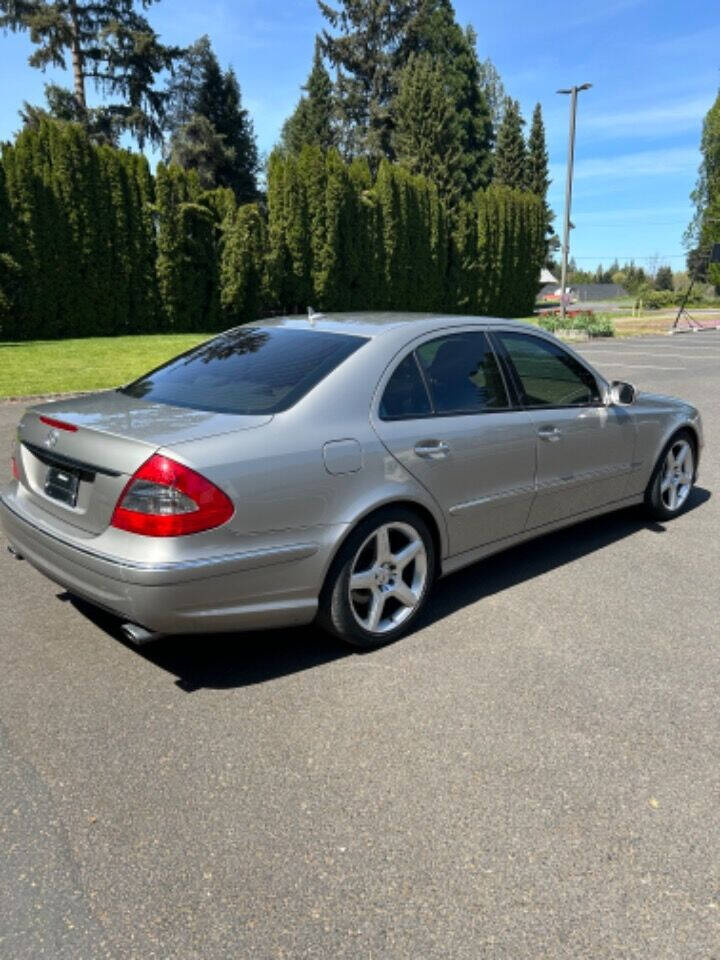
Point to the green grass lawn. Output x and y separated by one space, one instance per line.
60 366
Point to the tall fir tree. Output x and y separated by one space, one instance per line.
428 136
433 30
109 42
493 90
312 122
366 50
704 230
197 145
222 144
538 174
510 160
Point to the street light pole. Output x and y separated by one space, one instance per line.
573 91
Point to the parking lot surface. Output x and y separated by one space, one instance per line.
533 774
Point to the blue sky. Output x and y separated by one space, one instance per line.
654 66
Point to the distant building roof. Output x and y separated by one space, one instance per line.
547 277
586 291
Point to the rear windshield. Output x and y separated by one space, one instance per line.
250 370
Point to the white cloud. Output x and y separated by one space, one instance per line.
663 120
646 163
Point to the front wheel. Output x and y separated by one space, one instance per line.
673 478
380 579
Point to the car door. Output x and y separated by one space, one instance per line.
584 446
445 413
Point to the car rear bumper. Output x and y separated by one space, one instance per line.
269 586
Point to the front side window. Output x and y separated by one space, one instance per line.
249 370
548 375
462 374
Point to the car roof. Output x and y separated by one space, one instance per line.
375 324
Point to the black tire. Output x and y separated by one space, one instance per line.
655 505
336 614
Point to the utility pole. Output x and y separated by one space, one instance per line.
573 91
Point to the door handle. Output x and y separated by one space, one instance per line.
432 449
551 434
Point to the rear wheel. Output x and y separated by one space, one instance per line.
673 478
380 579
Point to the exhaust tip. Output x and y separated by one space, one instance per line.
138 635
14 553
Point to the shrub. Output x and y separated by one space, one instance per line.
584 321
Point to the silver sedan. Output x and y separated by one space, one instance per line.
332 468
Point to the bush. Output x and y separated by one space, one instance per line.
657 299
584 321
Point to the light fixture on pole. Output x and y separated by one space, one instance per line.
573 91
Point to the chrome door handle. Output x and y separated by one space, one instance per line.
432 449
551 434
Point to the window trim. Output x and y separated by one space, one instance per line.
510 391
518 390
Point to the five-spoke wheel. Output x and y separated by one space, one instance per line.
673 478
388 577
380 579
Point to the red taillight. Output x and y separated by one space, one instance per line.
58 424
166 499
14 468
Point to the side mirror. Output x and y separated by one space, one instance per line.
621 393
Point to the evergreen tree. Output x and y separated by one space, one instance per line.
664 279
188 256
538 178
197 145
9 267
108 41
366 51
538 175
313 173
210 129
242 274
311 124
493 90
289 244
433 30
63 105
704 230
510 161
428 136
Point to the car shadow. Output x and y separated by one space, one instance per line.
225 661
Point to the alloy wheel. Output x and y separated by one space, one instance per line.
677 475
388 577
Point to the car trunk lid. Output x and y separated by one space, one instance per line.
75 456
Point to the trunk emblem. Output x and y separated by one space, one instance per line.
51 439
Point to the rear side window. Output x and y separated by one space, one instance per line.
549 376
250 370
462 374
405 395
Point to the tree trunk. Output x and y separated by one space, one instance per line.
77 59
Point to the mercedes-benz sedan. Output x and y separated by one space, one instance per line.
333 468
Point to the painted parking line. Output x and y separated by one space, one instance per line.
639 366
645 353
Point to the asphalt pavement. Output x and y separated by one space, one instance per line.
533 774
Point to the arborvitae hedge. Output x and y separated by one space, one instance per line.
91 243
